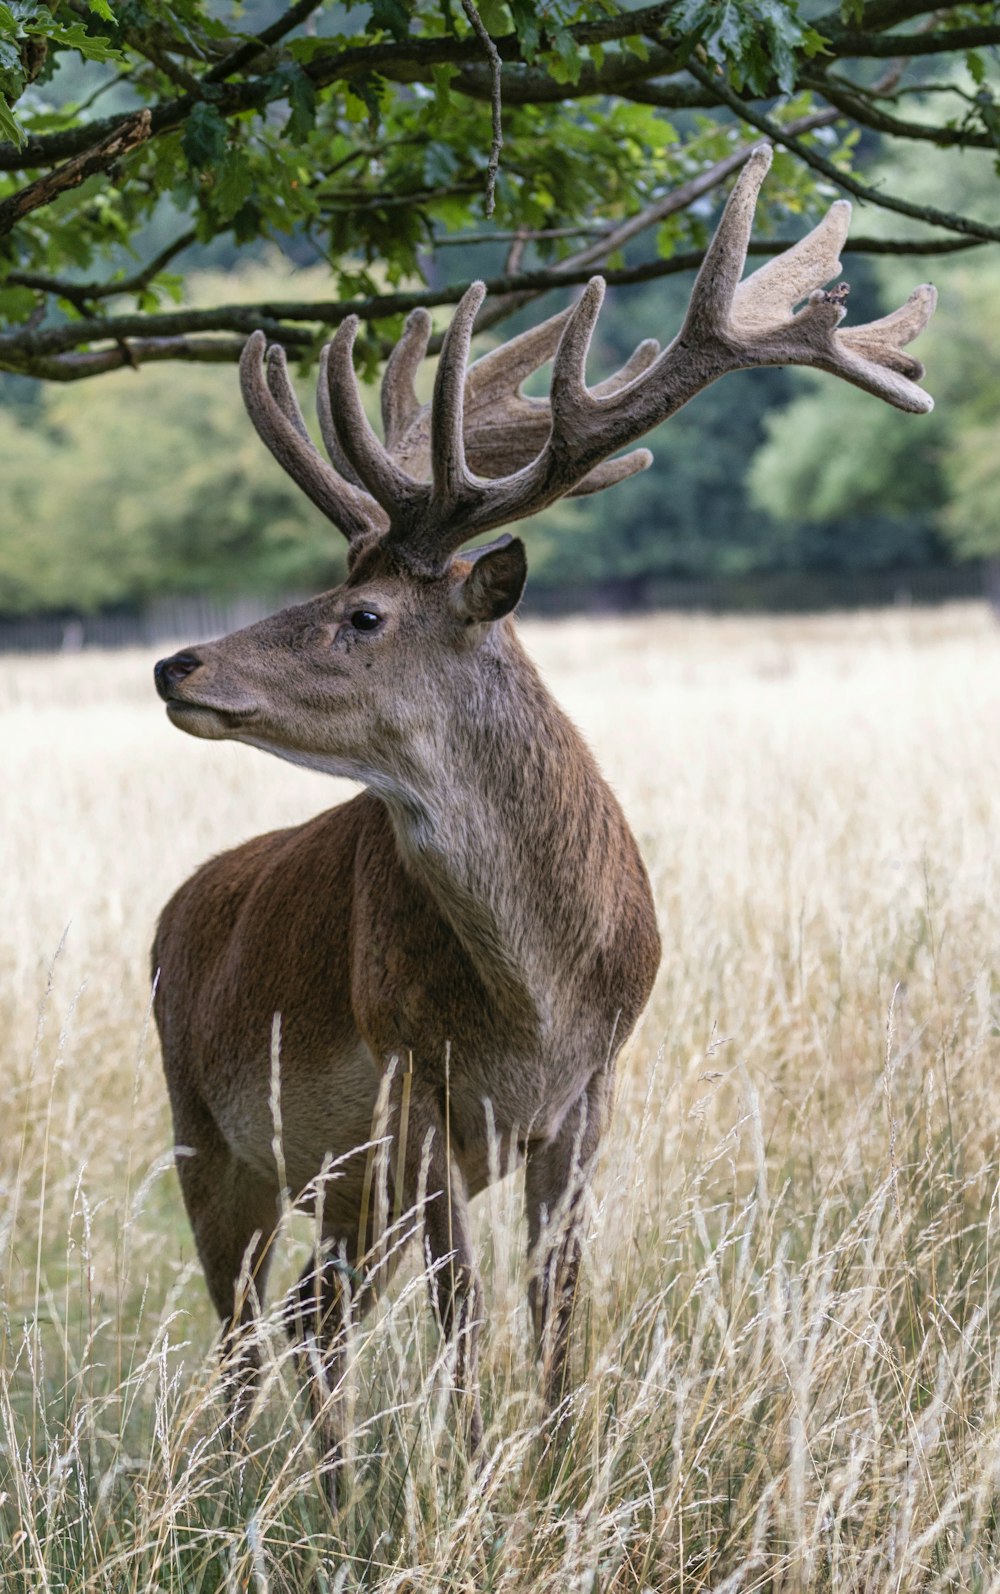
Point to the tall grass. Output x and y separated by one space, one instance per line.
786 1346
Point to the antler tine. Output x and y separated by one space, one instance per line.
638 361
324 414
777 286
503 429
279 382
722 267
449 472
612 471
400 405
871 356
284 433
501 372
568 393
389 486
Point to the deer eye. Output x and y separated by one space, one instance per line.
365 619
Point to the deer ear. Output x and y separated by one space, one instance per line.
494 585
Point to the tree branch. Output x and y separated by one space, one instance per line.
137 339
868 45
877 15
86 292
860 109
132 131
140 351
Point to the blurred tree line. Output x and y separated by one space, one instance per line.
173 175
155 482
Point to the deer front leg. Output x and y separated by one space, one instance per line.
333 1290
433 1174
557 1176
233 1214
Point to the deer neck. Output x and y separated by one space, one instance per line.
502 815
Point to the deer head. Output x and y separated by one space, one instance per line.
353 680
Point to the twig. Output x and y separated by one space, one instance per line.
852 104
251 48
523 235
874 196
496 145
87 292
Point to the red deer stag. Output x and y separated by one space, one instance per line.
480 913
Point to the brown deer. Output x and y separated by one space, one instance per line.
474 932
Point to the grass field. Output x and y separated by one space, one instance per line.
787 1347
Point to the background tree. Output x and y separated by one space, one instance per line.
829 466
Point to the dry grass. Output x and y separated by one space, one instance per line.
787 1347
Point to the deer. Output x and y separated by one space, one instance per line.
472 938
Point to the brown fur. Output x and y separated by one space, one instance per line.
481 909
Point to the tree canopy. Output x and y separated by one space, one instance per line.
373 137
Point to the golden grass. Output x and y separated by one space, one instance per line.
786 1344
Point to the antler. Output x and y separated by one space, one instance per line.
494 456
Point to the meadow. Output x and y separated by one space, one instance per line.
788 1338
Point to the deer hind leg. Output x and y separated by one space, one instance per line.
233 1212
557 1177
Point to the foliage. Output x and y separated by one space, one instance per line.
361 135
143 485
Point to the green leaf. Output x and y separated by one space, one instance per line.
976 66
527 26
302 106
494 17
204 141
233 185
92 46
814 44
8 19
10 128
101 9
568 60
636 45
16 304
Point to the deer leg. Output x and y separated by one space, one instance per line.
233 1214
432 1172
557 1176
330 1292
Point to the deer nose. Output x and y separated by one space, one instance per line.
168 672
